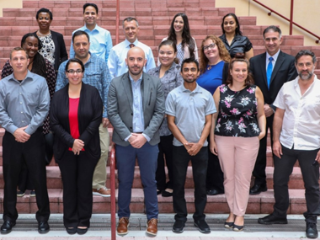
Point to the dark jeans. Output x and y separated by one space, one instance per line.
77 172
282 170
214 174
31 153
259 171
165 153
199 162
147 159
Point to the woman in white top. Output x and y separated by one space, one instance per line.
179 33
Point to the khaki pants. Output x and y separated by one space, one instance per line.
100 172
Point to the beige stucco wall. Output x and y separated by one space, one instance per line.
305 13
10 4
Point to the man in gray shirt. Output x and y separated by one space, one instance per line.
189 108
24 104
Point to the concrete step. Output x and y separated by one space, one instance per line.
258 204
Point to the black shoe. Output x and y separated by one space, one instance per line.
202 226
237 228
272 219
178 226
43 227
166 193
258 188
159 191
311 230
214 191
82 231
7 227
71 230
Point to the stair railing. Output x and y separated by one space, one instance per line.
112 163
289 20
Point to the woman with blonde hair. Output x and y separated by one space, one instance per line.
214 59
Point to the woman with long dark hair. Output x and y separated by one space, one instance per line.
232 37
169 74
180 34
31 43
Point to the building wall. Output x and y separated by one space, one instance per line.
10 4
305 13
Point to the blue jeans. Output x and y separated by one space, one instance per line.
147 157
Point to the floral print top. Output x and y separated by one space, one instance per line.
237 113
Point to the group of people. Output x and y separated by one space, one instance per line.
213 108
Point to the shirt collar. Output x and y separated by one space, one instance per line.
96 28
131 79
127 43
196 90
29 77
275 56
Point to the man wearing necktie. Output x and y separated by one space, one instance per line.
270 71
116 63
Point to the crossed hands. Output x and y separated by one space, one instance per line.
20 135
137 140
192 148
77 146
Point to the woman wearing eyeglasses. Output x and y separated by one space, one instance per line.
75 115
214 58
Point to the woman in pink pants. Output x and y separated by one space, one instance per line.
236 130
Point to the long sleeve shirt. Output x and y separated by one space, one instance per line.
100 42
24 103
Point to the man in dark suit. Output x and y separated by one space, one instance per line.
270 71
136 110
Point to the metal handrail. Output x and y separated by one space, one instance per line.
289 20
112 162
117 21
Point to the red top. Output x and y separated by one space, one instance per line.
73 118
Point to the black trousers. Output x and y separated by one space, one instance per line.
16 154
214 174
165 152
199 162
259 171
77 172
282 170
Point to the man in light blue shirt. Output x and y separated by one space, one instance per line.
100 38
118 54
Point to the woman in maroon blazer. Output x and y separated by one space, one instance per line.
76 113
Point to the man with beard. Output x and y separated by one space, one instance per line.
136 110
296 135
189 108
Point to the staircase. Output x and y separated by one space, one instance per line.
154 18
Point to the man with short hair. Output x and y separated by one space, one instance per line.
189 108
24 104
296 135
117 64
136 110
97 75
270 71
100 38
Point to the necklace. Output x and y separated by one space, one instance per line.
212 65
41 34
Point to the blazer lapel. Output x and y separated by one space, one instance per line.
145 91
126 83
263 68
276 68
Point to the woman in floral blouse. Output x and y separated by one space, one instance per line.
169 74
236 130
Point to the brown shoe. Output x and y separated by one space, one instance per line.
104 192
123 225
152 226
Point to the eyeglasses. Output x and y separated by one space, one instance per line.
71 71
212 45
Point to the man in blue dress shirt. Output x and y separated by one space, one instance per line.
100 38
97 75
118 54
24 104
